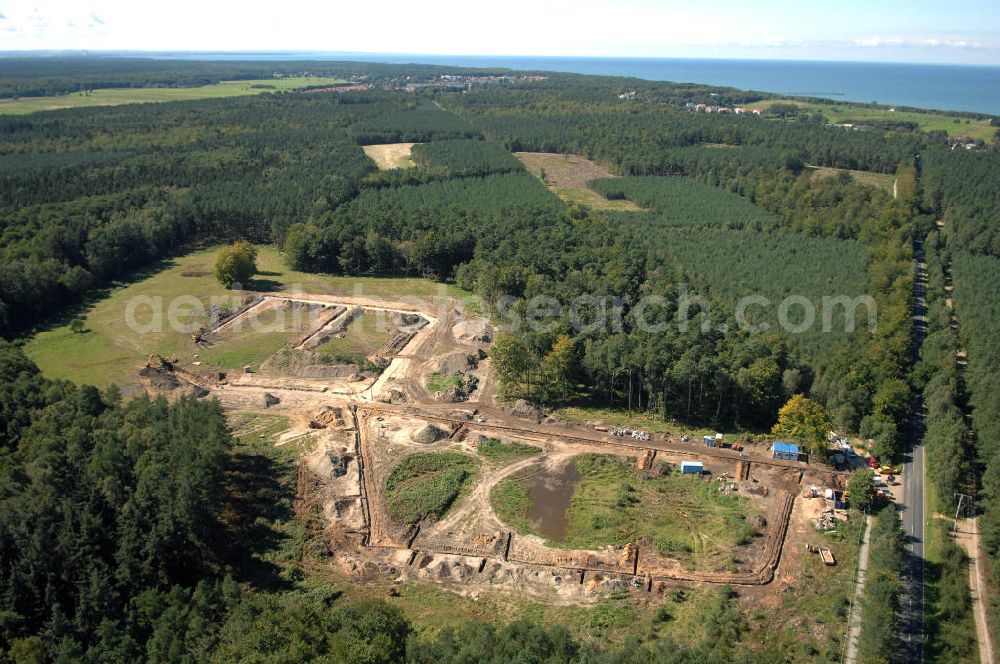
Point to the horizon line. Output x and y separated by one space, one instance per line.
395 54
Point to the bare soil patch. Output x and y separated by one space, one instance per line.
390 155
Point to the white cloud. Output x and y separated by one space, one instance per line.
876 41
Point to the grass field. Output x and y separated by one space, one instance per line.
883 181
436 382
613 504
258 336
809 623
499 451
424 485
110 352
567 176
511 502
117 96
257 428
364 336
957 127
390 155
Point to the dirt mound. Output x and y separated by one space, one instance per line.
408 322
159 378
527 410
454 364
330 416
429 434
304 364
475 330
219 315
393 395
196 391
328 371
334 328
452 395
459 393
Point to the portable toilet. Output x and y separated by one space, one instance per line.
709 441
692 468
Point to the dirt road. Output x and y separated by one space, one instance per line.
854 622
967 537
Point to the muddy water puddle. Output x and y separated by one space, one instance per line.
550 491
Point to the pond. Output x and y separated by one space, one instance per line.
550 491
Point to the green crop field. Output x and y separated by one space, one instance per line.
956 126
109 351
116 96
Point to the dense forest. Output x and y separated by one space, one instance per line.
87 197
114 539
959 191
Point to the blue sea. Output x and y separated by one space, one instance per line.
943 87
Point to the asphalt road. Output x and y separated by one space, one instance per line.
912 600
911 503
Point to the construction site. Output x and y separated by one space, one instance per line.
382 443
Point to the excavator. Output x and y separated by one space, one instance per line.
198 335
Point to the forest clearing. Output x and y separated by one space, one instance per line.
881 181
391 155
569 177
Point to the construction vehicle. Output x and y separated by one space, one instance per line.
198 335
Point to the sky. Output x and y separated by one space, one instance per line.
959 31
